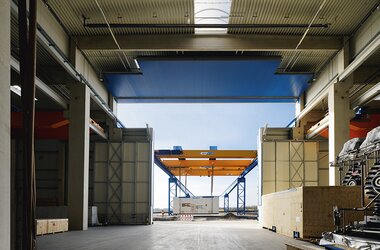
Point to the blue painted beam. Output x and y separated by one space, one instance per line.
159 163
168 152
230 188
188 81
249 168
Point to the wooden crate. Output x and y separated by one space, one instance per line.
50 226
57 225
42 227
63 225
308 210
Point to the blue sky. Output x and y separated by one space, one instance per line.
198 126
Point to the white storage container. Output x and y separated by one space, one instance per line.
196 205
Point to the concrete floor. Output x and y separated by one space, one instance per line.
244 234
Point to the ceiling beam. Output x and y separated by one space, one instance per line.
366 53
198 25
15 65
366 97
214 42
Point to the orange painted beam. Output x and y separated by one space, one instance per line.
201 163
249 154
215 168
206 172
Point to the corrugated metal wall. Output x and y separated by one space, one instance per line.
123 178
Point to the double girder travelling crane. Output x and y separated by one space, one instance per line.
177 163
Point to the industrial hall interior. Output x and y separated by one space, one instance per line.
189 124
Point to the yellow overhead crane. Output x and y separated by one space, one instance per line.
206 162
213 162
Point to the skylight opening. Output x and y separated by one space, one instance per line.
211 12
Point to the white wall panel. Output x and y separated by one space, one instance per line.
270 171
124 189
269 187
282 185
282 171
288 164
282 151
311 151
311 171
268 152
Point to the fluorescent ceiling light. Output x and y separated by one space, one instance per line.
17 90
211 12
137 63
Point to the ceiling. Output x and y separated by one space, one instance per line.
343 18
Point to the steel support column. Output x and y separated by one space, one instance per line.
240 205
172 194
5 146
27 43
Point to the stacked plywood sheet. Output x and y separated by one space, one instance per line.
49 226
308 211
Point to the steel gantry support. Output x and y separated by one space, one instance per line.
226 203
240 188
172 194
227 196
239 184
174 183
